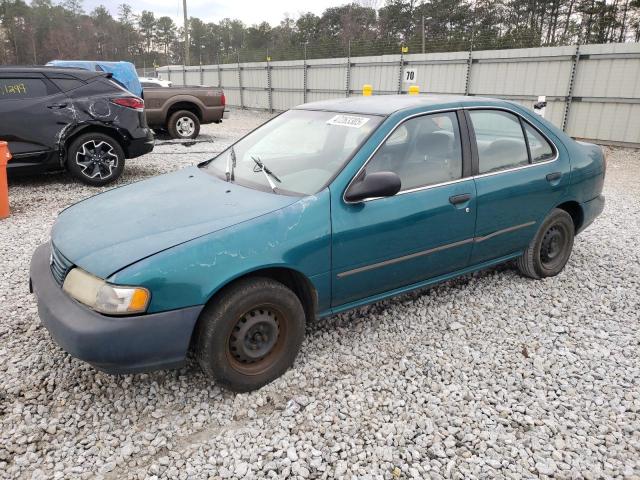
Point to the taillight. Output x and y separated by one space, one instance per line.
129 102
223 100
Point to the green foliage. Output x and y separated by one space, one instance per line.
42 31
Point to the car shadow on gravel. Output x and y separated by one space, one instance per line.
343 320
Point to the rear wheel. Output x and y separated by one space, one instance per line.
250 334
95 159
550 249
183 124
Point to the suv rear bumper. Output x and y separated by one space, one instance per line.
139 146
112 344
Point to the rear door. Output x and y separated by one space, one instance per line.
520 176
34 112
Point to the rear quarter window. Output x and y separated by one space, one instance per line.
541 149
66 84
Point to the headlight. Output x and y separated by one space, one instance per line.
103 297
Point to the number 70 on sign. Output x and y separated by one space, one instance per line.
410 75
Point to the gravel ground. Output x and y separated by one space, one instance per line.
488 376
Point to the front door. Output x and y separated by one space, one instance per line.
34 112
422 232
520 177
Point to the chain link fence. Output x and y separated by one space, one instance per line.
375 46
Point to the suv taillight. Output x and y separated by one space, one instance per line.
130 102
223 100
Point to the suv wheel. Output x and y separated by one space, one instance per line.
550 249
183 124
250 334
95 159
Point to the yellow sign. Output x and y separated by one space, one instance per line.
367 90
414 90
268 59
405 49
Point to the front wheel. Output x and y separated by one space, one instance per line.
95 159
183 125
550 249
250 334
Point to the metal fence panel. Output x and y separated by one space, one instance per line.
438 72
531 71
210 76
382 72
323 75
593 91
193 76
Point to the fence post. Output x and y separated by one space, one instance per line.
219 73
572 79
269 83
184 74
168 74
304 76
240 82
201 74
467 83
348 80
401 69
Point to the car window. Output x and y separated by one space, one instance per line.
541 149
66 84
423 151
19 88
303 149
500 140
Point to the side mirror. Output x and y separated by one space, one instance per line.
373 185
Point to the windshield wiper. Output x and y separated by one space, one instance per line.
231 165
267 172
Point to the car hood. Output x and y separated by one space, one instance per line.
110 231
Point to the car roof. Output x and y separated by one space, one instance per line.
388 104
79 73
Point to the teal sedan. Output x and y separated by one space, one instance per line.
325 208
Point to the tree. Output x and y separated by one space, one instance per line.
166 34
147 26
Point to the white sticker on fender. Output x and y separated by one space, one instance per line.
347 121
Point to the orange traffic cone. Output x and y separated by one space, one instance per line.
5 156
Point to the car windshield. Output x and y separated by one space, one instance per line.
297 152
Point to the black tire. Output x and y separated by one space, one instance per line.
550 249
250 334
183 125
95 159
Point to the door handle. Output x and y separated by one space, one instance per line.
456 199
553 176
57 105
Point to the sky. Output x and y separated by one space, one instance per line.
249 12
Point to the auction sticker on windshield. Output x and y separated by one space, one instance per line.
348 121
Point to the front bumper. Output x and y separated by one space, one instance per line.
112 344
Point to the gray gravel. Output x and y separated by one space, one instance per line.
488 376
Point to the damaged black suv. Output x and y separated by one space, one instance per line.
63 118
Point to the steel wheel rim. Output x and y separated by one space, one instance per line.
256 340
553 246
96 159
185 126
